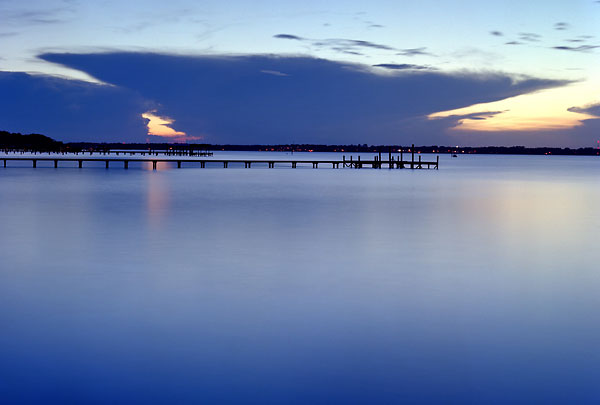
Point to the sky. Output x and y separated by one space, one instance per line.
336 72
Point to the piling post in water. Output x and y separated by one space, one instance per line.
154 165
412 161
126 164
437 163
55 163
80 163
4 162
34 163
179 164
106 161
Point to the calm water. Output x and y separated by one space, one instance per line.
477 283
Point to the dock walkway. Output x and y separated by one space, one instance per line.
393 161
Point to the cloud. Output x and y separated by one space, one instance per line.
274 73
581 48
591 109
529 37
288 36
414 52
70 110
161 127
561 26
341 45
401 66
345 44
229 99
513 43
20 17
496 33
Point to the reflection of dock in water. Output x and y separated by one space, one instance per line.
394 161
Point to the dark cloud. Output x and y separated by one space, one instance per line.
529 37
591 109
70 110
513 43
230 99
575 40
288 36
581 48
561 26
496 33
414 52
401 66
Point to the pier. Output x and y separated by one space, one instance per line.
246 163
393 161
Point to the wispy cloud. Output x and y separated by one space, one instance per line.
414 52
561 26
529 37
50 16
496 33
274 73
581 48
402 66
513 43
342 45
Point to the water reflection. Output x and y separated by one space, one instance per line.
157 199
476 283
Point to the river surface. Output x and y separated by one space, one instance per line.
476 283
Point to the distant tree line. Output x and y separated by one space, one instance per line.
30 142
42 143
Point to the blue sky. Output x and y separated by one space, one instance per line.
511 72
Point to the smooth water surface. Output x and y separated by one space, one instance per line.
476 283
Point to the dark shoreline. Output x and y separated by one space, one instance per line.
41 143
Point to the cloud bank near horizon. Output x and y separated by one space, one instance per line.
230 99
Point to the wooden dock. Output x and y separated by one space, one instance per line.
393 161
